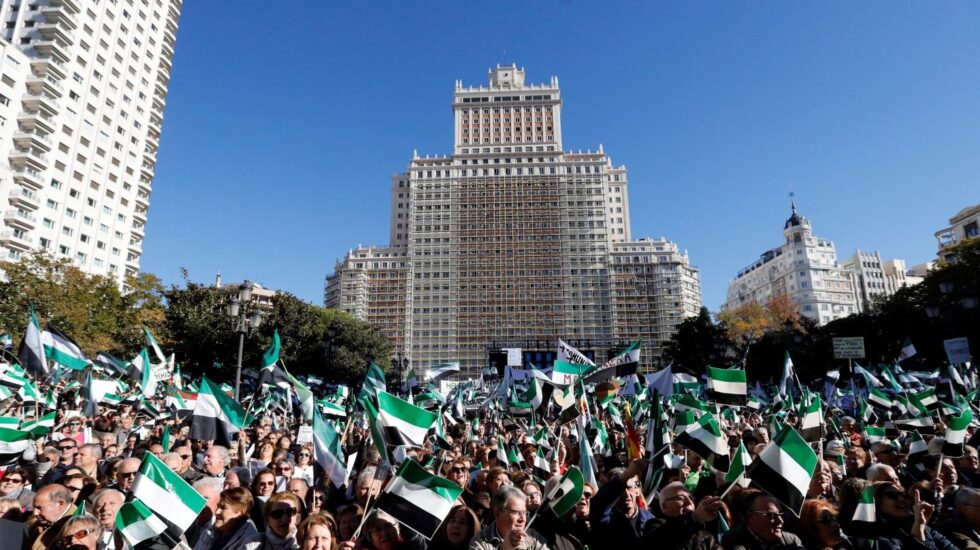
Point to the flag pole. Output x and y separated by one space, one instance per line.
370 502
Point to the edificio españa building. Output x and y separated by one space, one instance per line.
82 91
512 241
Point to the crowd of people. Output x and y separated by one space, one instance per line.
265 489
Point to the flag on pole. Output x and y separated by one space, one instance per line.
784 469
152 342
328 451
879 399
956 434
374 382
147 382
31 354
633 448
541 468
864 519
216 416
706 440
166 494
736 474
728 386
13 443
418 499
811 419
136 523
61 349
442 370
623 364
908 350
563 497
786 379
564 373
403 424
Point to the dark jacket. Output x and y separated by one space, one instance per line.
682 532
244 538
741 538
14 534
962 535
891 536
610 525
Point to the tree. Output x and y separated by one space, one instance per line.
90 309
697 344
350 346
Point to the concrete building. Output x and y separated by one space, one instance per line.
508 241
875 278
804 268
964 225
83 87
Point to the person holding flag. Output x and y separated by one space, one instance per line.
616 514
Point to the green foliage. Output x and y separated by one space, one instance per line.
350 346
89 308
698 344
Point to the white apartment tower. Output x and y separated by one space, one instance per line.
508 241
875 278
83 85
804 268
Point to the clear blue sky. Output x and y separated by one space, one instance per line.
284 123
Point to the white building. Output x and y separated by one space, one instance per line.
964 225
804 268
508 241
83 86
875 278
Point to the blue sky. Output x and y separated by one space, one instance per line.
282 127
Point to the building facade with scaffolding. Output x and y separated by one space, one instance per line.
512 241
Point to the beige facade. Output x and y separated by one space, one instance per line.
875 278
805 269
505 243
964 225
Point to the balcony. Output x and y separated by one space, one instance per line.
48 67
22 220
31 119
26 198
52 49
57 15
145 186
139 216
70 5
45 102
139 231
142 200
16 242
55 31
47 84
26 139
28 177
136 246
28 158
147 171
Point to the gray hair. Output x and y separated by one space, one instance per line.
95 449
367 474
212 483
105 493
504 494
86 520
875 470
223 451
672 485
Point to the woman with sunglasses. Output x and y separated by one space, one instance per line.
80 533
316 498
819 527
282 515
304 464
13 484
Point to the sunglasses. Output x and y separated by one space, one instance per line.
301 455
76 536
12 480
458 470
67 448
184 457
126 474
280 513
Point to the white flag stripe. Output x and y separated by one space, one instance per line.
865 512
419 495
720 386
148 491
790 469
415 434
149 528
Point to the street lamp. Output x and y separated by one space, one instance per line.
246 317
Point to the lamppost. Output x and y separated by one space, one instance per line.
245 318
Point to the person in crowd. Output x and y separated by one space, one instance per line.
963 530
52 506
263 487
760 526
316 499
348 518
509 528
13 484
456 532
902 520
209 488
80 533
215 462
882 472
66 460
614 512
125 475
233 528
304 465
318 532
282 515
298 487
821 484
682 524
819 526
105 505
89 460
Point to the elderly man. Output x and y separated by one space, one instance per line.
681 524
615 514
125 474
215 462
52 506
509 528
969 467
762 527
366 486
201 530
105 505
882 472
964 528
189 474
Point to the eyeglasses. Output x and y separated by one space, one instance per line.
184 457
12 480
266 483
771 516
516 513
318 496
76 536
73 489
66 448
533 494
288 512
126 474
586 495
284 468
682 497
301 455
